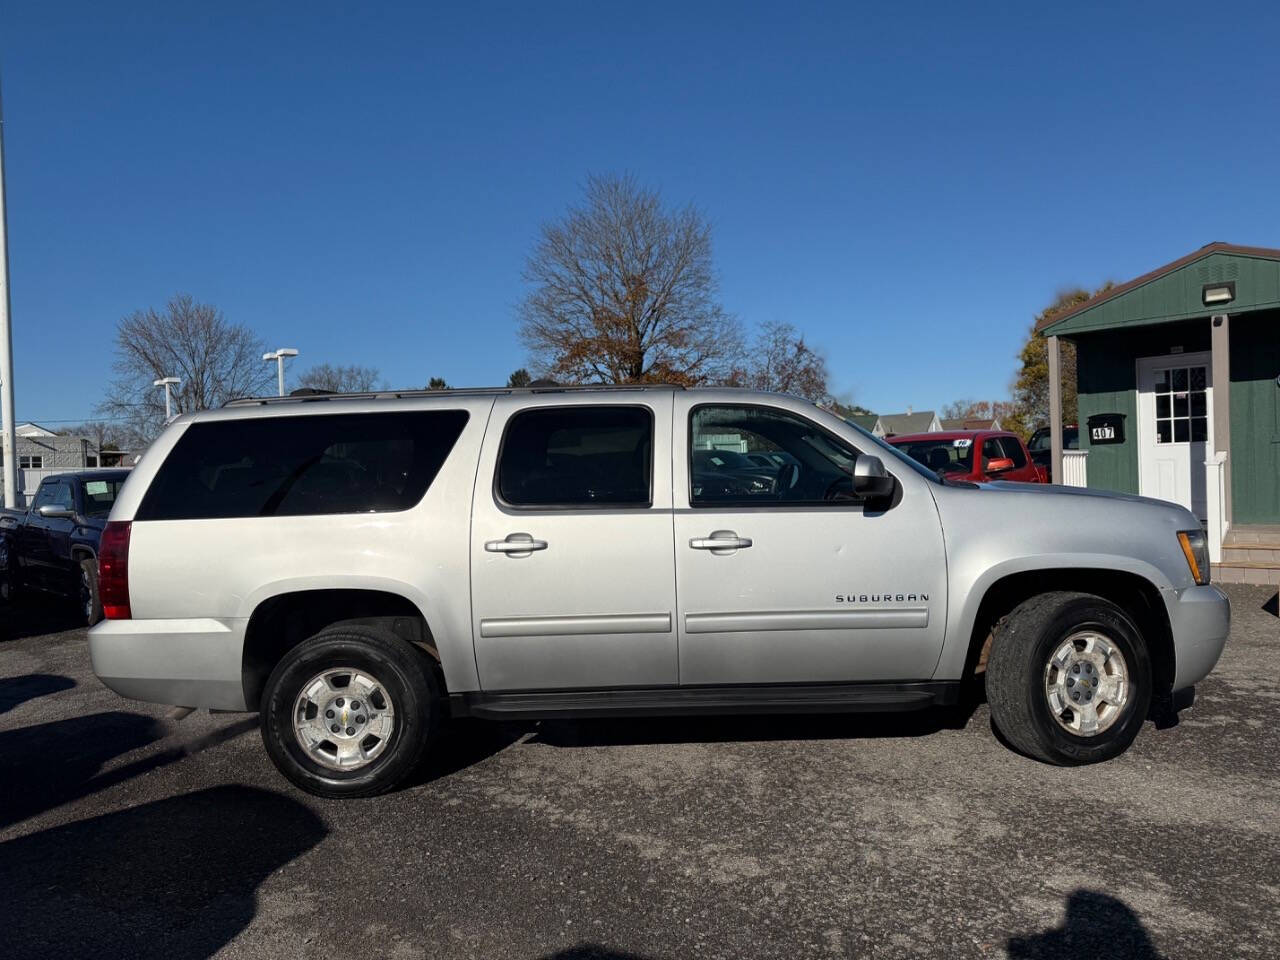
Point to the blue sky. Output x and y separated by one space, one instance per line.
908 185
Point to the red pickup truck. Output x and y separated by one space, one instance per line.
973 455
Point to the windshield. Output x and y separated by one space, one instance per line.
99 495
941 456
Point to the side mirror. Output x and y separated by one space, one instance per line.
999 465
869 477
51 511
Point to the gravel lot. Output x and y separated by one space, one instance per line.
123 833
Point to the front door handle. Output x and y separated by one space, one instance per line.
515 545
721 542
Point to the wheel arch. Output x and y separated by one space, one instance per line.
279 620
1138 595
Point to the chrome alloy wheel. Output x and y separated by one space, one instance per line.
1086 683
343 718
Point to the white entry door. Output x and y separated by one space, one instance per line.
1175 428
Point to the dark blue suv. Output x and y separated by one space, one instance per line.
52 547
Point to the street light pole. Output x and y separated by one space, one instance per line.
9 444
278 356
167 382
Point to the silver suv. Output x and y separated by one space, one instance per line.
359 568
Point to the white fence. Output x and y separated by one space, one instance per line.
1075 471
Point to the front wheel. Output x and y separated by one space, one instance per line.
1069 679
350 712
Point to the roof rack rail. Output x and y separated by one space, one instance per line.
315 396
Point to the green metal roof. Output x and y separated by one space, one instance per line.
1174 291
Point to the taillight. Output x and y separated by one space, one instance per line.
113 570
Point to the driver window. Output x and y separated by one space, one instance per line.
757 456
991 451
56 493
45 495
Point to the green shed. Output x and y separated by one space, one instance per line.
1178 376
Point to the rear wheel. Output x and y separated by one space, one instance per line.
350 712
90 602
1069 679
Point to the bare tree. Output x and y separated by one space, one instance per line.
99 431
624 292
782 362
216 361
338 379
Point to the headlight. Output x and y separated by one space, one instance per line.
1196 549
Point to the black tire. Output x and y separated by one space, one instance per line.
410 686
1016 672
90 602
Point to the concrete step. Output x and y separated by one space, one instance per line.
1251 554
1263 574
1264 536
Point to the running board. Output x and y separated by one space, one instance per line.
685 701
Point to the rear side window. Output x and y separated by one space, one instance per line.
292 466
577 457
99 495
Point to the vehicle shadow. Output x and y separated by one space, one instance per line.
173 879
62 761
753 727
1097 926
463 743
38 617
15 691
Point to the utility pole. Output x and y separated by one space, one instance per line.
278 356
6 346
167 382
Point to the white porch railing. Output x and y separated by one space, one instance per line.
1215 499
1074 470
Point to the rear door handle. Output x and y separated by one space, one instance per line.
515 545
721 541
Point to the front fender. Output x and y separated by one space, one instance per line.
972 582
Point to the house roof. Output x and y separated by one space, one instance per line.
1145 300
917 422
864 420
945 435
969 423
32 430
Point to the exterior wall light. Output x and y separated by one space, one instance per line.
1213 294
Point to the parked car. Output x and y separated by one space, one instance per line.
1039 446
976 456
359 568
52 546
728 471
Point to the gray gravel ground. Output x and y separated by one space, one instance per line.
123 833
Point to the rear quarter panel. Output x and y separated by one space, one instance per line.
223 569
